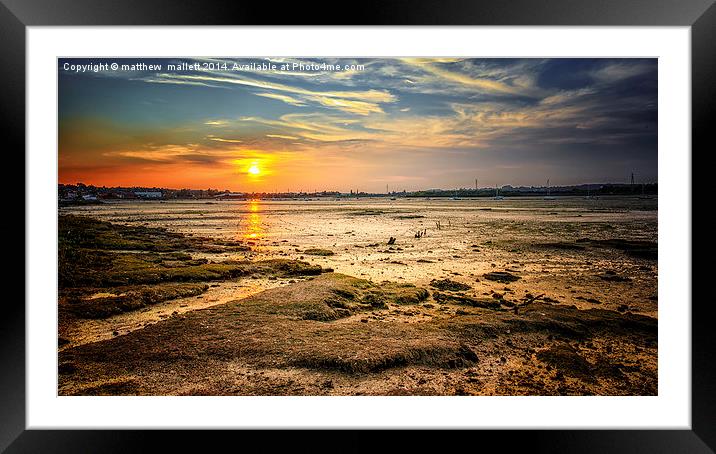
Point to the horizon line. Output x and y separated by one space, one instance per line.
358 190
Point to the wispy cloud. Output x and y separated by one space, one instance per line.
616 71
198 83
479 83
221 139
285 98
280 136
357 102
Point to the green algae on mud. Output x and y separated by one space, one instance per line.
143 266
108 269
82 232
123 299
345 296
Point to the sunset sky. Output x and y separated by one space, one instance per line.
407 123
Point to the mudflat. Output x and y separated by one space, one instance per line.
313 298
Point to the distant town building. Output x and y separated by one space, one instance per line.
148 194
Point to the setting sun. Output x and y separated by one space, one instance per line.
254 170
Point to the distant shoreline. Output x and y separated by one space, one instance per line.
77 203
83 195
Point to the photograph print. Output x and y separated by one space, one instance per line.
357 226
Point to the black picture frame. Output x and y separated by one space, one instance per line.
16 15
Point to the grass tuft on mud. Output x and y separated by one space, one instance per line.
449 285
345 296
110 269
503 277
85 233
319 252
138 266
124 299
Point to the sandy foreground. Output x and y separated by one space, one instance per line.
244 299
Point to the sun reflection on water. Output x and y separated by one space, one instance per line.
253 224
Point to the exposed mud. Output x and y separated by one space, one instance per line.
560 347
511 299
